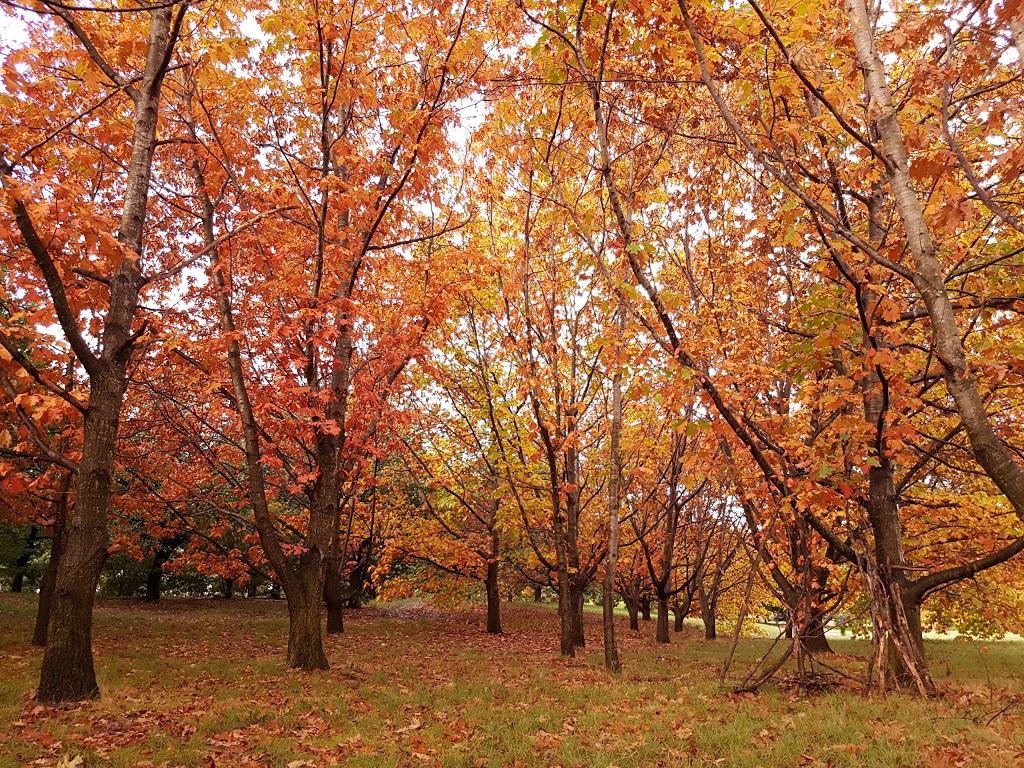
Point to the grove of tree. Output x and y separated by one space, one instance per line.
703 306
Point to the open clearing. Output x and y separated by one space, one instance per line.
203 683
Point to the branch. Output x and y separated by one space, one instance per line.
41 254
212 246
933 581
37 436
31 370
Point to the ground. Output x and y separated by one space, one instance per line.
203 683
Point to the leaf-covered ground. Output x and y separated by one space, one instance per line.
204 683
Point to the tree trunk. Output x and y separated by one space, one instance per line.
662 635
18 582
645 607
50 574
681 608
493 599
334 598
611 649
576 614
928 275
567 647
708 614
904 671
153 579
537 593
305 641
305 645
67 672
813 637
229 588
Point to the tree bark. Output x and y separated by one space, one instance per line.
567 647
67 672
576 614
645 607
611 650
153 579
18 581
49 580
708 614
334 593
305 644
662 633
334 598
813 637
493 599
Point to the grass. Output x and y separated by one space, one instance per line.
203 683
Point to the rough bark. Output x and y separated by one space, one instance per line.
305 644
334 593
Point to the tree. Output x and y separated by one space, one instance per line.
65 218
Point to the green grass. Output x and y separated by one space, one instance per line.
187 683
